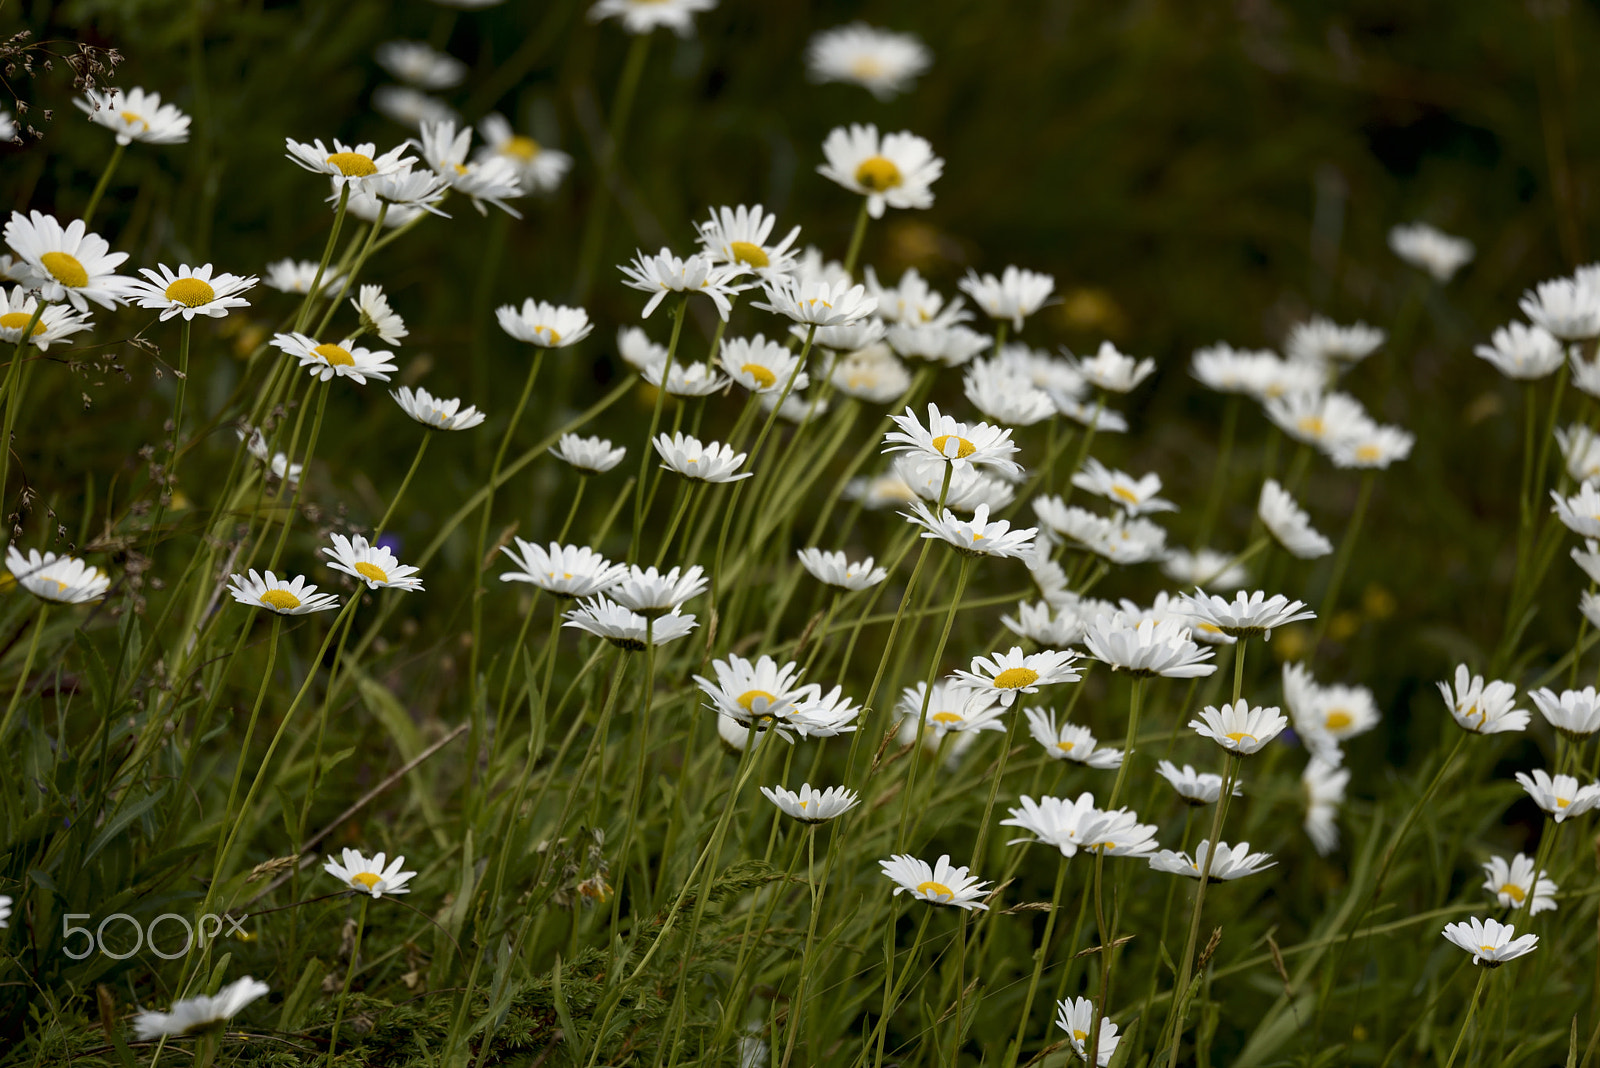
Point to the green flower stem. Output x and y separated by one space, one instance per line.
648 448
355 269
856 237
637 791
164 492
893 987
405 483
12 389
315 289
803 985
305 474
1135 701
349 974
1014 1051
27 667
1219 471
685 494
1341 562
1472 1007
105 180
927 695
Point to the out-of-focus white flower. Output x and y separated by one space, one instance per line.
879 60
1432 250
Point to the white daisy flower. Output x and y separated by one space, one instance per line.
1323 785
1513 885
411 107
1257 373
1289 523
947 344
365 205
1076 1018
546 325
1579 513
941 884
636 348
1327 716
665 273
873 374
884 62
373 564
277 463
1015 295
193 1015
1580 449
1147 648
1231 862
625 628
1119 833
845 337
8 126
1575 713
759 694
563 570
420 65
812 806
1045 624
1559 795
1194 787
695 380
287 597
1490 942
56 578
814 267
965 490
642 16
707 462
346 164
346 359
762 366
1484 707
370 876
896 171
1006 396
56 323
1135 496
953 706
912 302
1114 371
1238 728
1320 419
538 169
1205 568
66 264
436 412
377 317
835 569
976 538
490 181
741 237
1371 446
815 303
188 291
5 910
1053 821
1523 352
590 456
1069 741
135 115
653 592
1588 558
955 442
1252 615
884 491
1012 673
1103 419
1434 251
824 715
1322 341
296 276
1565 308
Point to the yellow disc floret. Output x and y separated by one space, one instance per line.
963 447
353 164
191 292
18 320
1015 678
334 355
748 699
878 174
762 375
65 269
1338 720
371 572
745 252
281 600
931 887
365 880
524 148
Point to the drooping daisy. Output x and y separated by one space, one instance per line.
1230 862
287 597
812 806
759 694
695 380
1513 885
411 107
278 463
1015 295
1146 647
189 291
896 171
976 538
1114 371
538 168
56 323
373 564
1580 449
1563 307
762 366
589 456
1323 341
1559 795
1523 352
1012 673
324 360
56 578
706 461
1194 787
1484 707
549 326
1238 728
377 317
1289 523
135 115
1579 513
665 273
420 65
346 164
1430 249
436 412
1076 1018
194 1015
1323 785
625 628
563 570
835 569
66 263
653 592
815 303
955 442
1070 741
1135 496
941 884
1253 615
1490 942
952 706
642 16
296 276
878 60
370 876
1005 395
741 237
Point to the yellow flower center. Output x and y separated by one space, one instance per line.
1015 678
132 118
866 67
1563 802
1338 720
745 252
878 174
371 572
1080 1036
334 356
761 374
748 699
1065 747
282 600
1312 425
191 292
1239 736
963 447
524 148
946 717
1368 453
555 338
364 880
938 889
1487 949
564 574
1514 892
65 269
18 320
1124 494
353 164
